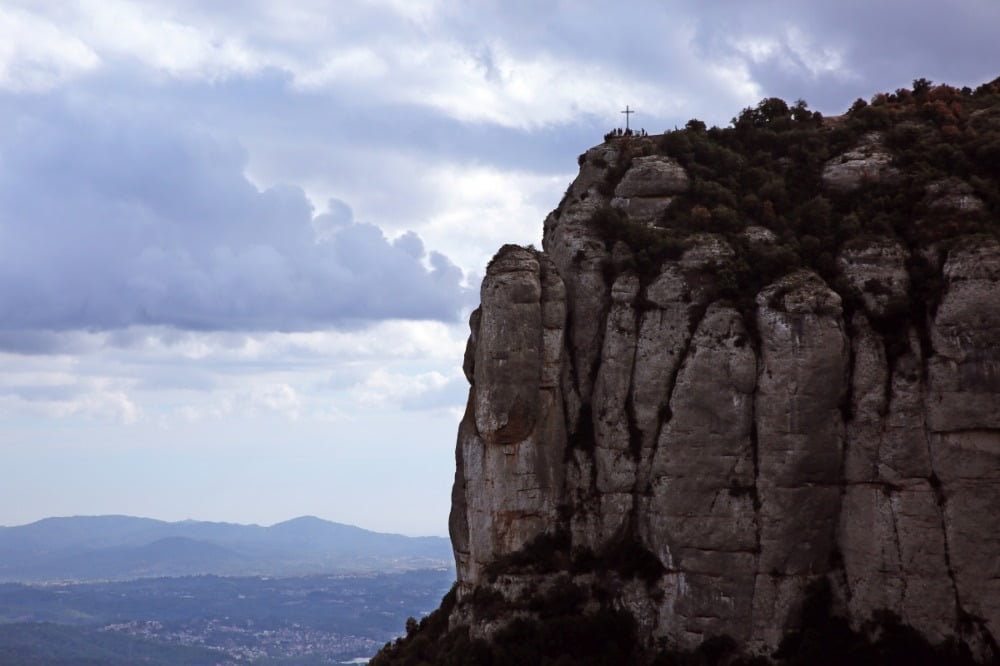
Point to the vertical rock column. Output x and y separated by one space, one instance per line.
614 458
700 517
800 435
963 415
891 528
512 440
579 255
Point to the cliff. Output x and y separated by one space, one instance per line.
751 368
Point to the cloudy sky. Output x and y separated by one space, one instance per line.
240 239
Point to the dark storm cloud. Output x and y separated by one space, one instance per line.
828 53
39 342
114 212
109 219
833 53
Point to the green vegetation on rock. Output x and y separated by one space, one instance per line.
558 633
767 170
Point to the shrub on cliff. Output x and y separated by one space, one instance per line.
824 639
767 168
559 634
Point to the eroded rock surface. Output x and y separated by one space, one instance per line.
867 162
649 187
876 272
749 453
512 439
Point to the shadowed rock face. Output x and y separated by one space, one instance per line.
867 162
751 454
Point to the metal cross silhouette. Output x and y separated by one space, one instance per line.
627 112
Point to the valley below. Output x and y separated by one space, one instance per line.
324 619
115 590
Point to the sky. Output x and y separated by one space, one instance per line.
240 240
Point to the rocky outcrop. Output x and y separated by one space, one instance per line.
649 187
876 273
748 452
954 195
964 372
510 479
867 162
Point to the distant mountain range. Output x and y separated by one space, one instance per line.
123 547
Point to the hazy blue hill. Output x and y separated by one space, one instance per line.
315 532
53 534
169 556
121 547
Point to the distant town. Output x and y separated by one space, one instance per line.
115 589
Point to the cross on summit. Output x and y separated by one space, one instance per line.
618 132
627 113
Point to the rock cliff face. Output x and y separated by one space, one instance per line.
745 450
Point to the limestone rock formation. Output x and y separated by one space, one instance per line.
750 458
697 430
649 186
954 194
866 162
876 272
